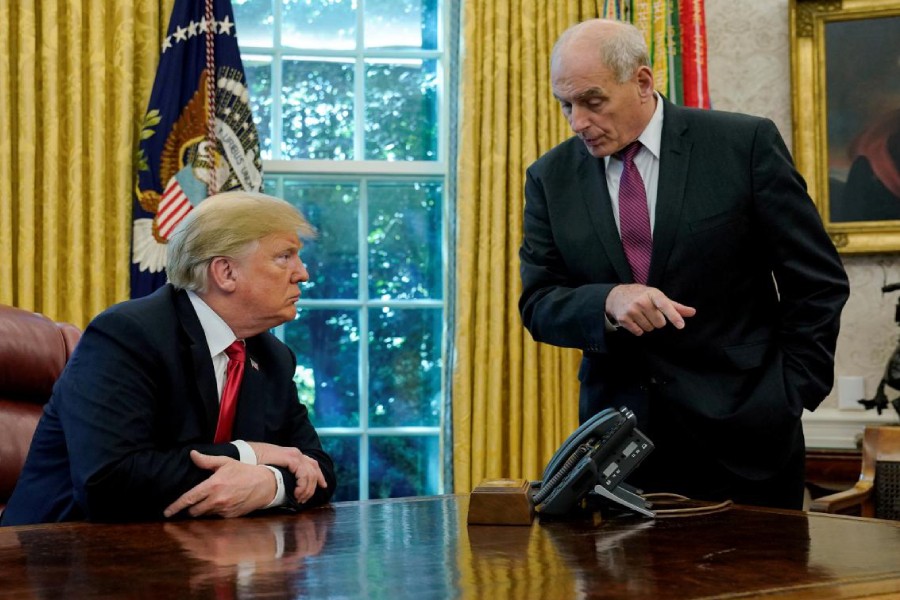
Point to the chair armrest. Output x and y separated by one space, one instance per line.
834 503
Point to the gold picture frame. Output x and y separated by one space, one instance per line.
840 91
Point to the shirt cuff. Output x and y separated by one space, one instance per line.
246 453
610 324
278 500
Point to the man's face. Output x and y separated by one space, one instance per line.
268 279
605 114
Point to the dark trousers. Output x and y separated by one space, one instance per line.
683 464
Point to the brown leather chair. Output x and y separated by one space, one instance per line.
877 493
33 352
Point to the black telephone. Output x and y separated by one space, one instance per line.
596 458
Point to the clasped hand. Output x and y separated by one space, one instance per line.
639 308
306 470
235 489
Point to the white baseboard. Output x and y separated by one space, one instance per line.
841 429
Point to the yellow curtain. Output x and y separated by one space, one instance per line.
514 400
75 76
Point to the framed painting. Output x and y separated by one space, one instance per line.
845 68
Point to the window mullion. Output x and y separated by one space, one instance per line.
277 66
364 400
359 87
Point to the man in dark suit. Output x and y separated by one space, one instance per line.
133 430
716 321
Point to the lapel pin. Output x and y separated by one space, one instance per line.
254 364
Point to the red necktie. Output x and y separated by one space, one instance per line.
228 406
634 216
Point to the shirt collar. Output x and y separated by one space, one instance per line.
218 334
651 137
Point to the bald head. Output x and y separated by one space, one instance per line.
619 46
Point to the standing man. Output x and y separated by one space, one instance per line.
679 250
182 403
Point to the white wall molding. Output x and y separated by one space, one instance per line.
841 429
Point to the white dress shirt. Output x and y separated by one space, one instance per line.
218 337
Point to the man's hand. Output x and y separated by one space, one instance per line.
233 490
305 469
639 308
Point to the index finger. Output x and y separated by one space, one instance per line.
669 309
306 486
320 477
186 500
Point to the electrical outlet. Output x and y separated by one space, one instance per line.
850 390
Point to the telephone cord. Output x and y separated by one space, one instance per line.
686 512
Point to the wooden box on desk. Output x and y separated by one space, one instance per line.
501 502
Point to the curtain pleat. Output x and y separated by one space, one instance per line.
50 154
75 76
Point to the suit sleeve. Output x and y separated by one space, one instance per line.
555 306
812 283
109 404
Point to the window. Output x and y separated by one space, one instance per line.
349 97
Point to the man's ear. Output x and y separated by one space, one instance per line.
222 273
645 81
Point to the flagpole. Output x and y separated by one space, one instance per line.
211 95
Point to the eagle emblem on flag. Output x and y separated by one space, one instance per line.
197 137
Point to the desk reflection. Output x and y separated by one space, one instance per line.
228 554
628 556
214 558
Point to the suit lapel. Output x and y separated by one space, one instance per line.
595 194
675 153
204 375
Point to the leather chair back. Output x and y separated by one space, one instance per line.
33 352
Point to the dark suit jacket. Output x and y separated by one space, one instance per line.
737 237
137 395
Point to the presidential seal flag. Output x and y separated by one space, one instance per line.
197 137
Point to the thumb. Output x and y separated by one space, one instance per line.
208 461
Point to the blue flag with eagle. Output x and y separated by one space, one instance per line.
197 137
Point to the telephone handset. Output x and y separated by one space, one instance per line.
596 458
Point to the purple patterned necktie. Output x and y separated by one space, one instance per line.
634 217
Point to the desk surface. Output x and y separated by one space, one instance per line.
422 548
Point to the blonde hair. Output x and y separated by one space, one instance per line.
226 224
620 45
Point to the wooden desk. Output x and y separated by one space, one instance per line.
422 548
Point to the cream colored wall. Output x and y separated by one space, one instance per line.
749 71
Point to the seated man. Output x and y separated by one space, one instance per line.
134 429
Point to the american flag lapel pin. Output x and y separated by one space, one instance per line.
254 364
